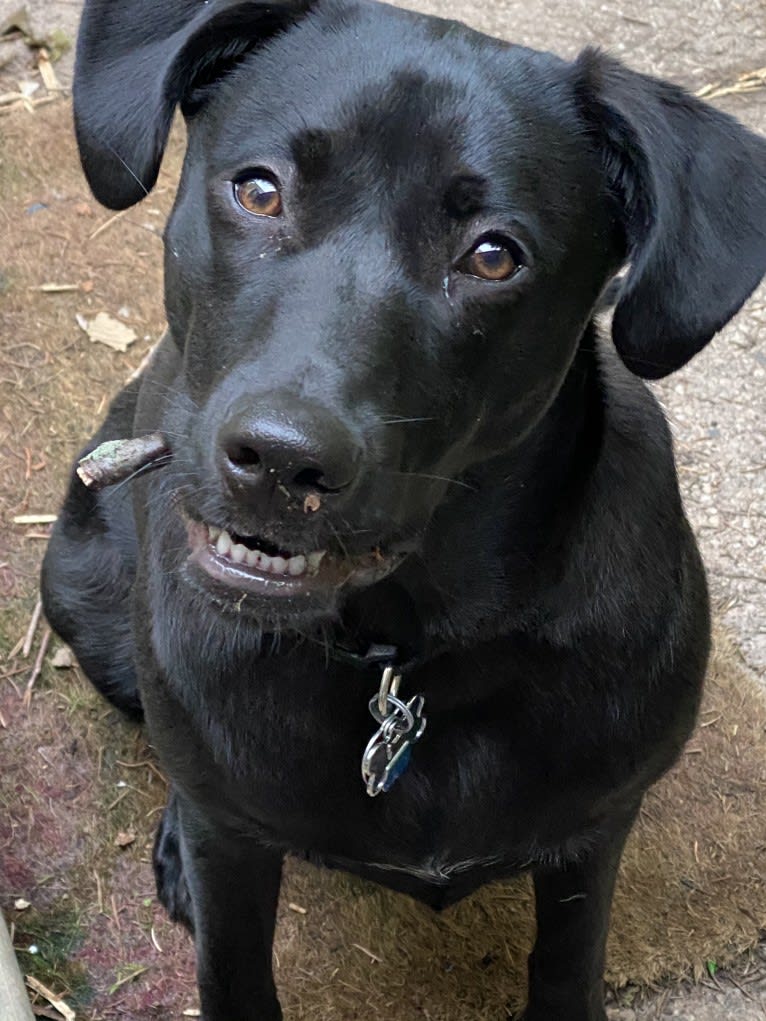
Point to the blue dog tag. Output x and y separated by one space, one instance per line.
389 750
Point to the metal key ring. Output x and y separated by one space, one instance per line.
396 712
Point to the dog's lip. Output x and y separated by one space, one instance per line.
329 573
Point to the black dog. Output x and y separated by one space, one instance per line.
398 442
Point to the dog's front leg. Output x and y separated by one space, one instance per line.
233 885
573 901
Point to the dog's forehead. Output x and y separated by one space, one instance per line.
376 76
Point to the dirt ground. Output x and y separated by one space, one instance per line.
79 792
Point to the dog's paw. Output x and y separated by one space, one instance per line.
168 869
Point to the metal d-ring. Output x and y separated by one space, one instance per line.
389 685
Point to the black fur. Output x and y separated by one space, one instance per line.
514 480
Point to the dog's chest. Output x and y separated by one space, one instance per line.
279 748
294 772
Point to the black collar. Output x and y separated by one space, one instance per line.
376 656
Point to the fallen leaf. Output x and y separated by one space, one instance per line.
62 659
105 329
124 839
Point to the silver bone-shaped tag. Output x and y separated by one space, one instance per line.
388 751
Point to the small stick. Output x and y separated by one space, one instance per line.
55 288
109 222
37 667
373 957
26 648
117 460
15 651
64 1009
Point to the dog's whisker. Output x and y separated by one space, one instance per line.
405 421
337 537
158 463
436 478
132 173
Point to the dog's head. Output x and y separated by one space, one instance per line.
390 236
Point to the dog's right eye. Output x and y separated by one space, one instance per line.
258 195
493 258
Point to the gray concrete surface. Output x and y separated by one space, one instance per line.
716 405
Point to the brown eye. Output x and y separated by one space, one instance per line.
258 195
491 259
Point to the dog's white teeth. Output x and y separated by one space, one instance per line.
223 544
296 565
238 553
314 560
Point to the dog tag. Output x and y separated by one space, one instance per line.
388 751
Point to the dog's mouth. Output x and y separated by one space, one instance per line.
252 564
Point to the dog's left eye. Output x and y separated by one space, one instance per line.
492 258
258 195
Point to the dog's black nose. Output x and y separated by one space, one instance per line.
299 447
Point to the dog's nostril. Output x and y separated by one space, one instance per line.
313 478
243 456
289 448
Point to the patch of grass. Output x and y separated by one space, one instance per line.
77 695
58 43
14 619
57 932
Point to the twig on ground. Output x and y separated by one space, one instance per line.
64 1009
369 953
749 81
108 223
37 667
26 647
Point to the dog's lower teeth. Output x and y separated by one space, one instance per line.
314 560
240 554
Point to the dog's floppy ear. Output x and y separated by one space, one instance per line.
136 61
690 184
